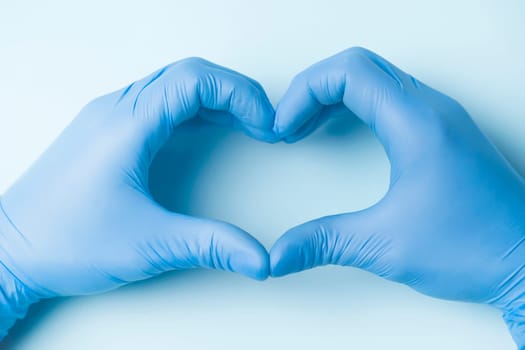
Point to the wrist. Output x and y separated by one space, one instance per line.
513 313
15 296
515 320
511 302
510 292
512 305
15 299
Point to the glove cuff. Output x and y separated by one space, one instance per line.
515 320
15 297
15 300
512 305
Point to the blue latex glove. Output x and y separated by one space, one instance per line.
452 224
81 219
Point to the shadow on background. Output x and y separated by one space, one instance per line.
178 165
36 315
39 312
512 152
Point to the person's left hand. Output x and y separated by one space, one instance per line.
452 224
81 219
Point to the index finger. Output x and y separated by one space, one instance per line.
373 89
192 87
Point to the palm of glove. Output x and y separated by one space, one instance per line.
450 220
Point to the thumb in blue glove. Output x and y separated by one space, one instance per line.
452 224
81 220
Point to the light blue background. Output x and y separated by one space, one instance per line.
57 55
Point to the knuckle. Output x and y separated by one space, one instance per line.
399 265
257 89
321 244
355 50
355 53
438 130
99 106
352 57
456 108
432 125
193 61
300 78
191 66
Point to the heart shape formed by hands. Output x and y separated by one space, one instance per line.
82 220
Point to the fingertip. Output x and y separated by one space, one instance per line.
278 126
267 136
296 109
289 120
310 126
252 262
303 247
213 244
276 130
285 258
266 110
291 139
262 128
276 265
241 253
245 100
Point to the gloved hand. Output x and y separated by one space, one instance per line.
81 220
452 224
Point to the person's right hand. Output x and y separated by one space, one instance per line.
452 224
82 220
